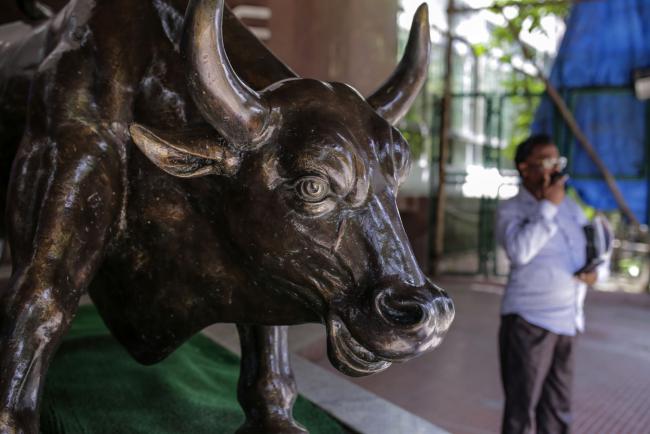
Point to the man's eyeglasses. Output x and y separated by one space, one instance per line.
558 163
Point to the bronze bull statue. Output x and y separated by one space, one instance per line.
182 186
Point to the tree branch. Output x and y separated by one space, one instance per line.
519 3
571 122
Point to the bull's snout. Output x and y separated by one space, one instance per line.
402 322
417 315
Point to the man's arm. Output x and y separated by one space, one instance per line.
523 235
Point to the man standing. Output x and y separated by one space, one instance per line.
542 233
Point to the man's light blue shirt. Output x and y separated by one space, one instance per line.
546 245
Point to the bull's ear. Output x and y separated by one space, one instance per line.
187 153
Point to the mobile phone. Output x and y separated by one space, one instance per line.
555 176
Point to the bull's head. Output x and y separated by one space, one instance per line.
312 171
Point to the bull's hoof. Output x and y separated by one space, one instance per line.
272 427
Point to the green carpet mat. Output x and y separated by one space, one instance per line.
94 387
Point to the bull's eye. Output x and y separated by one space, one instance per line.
312 189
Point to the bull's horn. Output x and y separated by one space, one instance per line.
224 100
394 98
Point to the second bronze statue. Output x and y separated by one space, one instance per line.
177 171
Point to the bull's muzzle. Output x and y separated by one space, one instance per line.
401 322
417 318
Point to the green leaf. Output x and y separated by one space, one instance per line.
479 49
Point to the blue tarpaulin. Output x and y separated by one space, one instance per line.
605 41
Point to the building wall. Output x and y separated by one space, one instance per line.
353 41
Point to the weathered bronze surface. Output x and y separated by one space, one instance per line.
275 204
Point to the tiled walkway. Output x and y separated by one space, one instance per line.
457 386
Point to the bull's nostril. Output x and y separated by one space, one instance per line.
400 312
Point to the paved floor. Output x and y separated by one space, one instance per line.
457 386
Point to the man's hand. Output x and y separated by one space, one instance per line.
588 278
554 192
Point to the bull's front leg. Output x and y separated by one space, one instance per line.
61 211
267 389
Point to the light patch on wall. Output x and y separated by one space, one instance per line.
261 13
488 182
